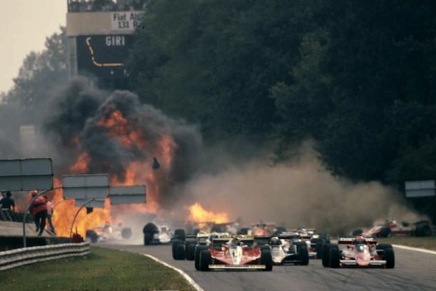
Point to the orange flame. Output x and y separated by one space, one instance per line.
81 165
199 214
127 134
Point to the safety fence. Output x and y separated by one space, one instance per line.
24 256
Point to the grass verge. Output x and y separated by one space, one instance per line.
428 243
102 269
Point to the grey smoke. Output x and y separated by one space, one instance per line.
301 193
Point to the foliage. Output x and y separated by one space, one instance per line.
39 74
356 77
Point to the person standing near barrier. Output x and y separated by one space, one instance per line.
8 202
49 215
39 211
3 195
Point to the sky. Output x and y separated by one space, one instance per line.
25 24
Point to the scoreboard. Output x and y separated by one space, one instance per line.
99 42
103 55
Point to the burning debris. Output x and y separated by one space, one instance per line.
98 132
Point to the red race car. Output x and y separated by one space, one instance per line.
392 228
234 253
359 252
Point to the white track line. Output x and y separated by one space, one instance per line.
414 249
186 276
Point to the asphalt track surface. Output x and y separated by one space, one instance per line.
413 271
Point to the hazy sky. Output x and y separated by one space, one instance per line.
25 24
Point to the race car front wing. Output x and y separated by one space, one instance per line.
237 267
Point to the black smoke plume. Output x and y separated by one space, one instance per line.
106 126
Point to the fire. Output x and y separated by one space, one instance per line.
119 128
199 214
127 134
81 165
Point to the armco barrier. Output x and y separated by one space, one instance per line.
24 256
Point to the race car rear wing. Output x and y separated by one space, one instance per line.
219 241
351 239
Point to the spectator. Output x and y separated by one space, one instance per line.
50 212
2 196
8 202
39 211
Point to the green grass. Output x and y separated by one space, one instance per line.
102 269
428 243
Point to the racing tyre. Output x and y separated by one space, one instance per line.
389 256
423 230
303 255
190 250
126 232
198 250
180 252
385 232
266 259
205 260
319 249
180 234
150 228
326 255
174 249
147 238
91 236
334 257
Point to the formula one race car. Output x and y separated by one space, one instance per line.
359 252
289 248
235 253
154 234
314 241
108 232
392 228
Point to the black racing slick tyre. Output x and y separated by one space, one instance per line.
334 257
303 255
423 230
385 232
180 234
147 238
266 259
389 256
319 249
190 251
205 260
174 247
326 256
91 236
198 250
180 252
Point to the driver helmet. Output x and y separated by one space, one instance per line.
360 240
275 241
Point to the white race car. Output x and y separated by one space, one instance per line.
288 247
108 232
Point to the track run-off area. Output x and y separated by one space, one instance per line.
413 271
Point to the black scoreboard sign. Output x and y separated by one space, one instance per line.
103 55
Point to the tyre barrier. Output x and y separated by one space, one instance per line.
24 256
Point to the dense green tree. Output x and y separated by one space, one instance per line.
213 62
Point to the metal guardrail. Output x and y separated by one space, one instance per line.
24 256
